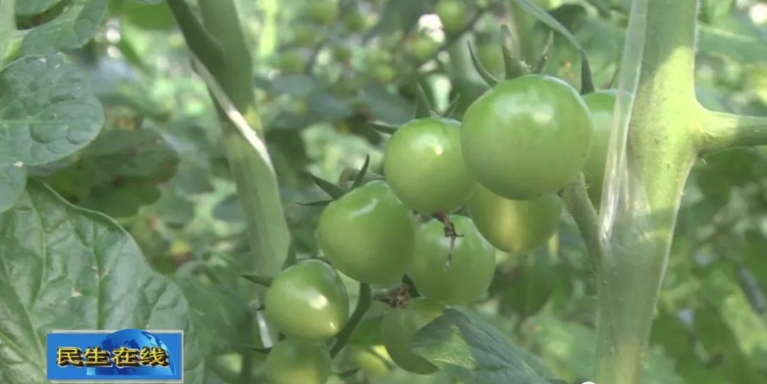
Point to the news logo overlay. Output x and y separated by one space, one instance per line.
131 355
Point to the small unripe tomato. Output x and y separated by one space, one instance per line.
293 361
423 47
472 262
424 165
452 14
291 62
515 226
399 326
368 234
308 300
323 11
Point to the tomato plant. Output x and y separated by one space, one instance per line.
519 125
452 271
392 192
368 234
292 361
425 168
312 290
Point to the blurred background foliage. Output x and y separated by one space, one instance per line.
321 79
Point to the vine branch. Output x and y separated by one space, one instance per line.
721 131
578 204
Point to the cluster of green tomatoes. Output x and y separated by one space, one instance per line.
454 193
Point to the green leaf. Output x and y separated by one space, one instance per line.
218 314
742 48
473 351
123 168
62 267
34 7
13 179
72 29
146 1
148 15
46 111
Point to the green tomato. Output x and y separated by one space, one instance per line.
452 14
355 21
423 48
293 361
601 105
424 165
384 73
323 11
291 62
308 301
471 269
368 234
342 53
305 36
527 137
515 226
398 327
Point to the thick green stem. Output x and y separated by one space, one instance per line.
660 151
721 131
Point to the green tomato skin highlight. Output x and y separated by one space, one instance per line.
472 266
601 105
527 137
308 301
424 166
368 234
423 47
398 327
293 361
515 226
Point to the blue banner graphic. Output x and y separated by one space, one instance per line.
133 355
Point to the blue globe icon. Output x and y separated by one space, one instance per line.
134 339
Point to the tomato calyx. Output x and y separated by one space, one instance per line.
450 233
337 190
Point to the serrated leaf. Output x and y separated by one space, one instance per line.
62 267
120 171
34 7
71 29
46 111
472 351
13 179
219 314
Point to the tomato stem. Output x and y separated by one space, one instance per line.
363 304
450 232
